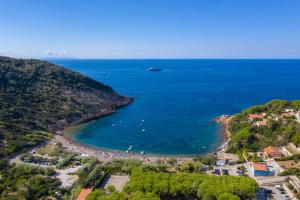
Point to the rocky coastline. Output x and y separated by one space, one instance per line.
223 121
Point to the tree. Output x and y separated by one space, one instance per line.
228 196
143 196
277 105
255 109
296 138
296 104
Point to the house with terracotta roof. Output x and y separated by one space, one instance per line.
262 169
84 193
272 152
261 123
253 117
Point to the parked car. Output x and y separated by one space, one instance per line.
278 187
217 171
239 172
203 169
225 171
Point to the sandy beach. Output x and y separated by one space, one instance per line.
106 156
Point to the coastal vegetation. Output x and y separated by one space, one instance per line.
28 182
274 123
291 171
38 98
163 185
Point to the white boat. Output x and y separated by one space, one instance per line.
154 69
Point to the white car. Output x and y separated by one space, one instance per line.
278 187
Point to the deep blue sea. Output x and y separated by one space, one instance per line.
173 109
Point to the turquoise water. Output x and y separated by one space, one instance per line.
173 108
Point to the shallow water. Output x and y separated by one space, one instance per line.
173 108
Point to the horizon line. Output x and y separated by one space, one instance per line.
151 58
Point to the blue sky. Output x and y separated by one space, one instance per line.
150 28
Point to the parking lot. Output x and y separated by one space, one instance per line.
270 192
275 193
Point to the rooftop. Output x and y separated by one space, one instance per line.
84 193
256 116
272 150
262 123
260 166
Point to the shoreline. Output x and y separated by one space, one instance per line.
106 155
223 121
110 155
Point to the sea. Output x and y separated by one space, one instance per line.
173 109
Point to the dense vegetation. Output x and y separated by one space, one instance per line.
28 182
245 136
37 99
161 185
39 96
291 171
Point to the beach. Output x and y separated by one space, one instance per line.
106 156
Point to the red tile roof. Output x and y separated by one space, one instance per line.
272 151
260 166
261 123
256 116
84 193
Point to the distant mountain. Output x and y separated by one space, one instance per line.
38 95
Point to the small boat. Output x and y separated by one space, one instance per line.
154 69
143 130
142 152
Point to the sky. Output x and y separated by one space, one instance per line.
150 28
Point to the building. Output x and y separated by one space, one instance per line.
290 150
261 169
261 123
272 152
84 193
253 117
291 186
